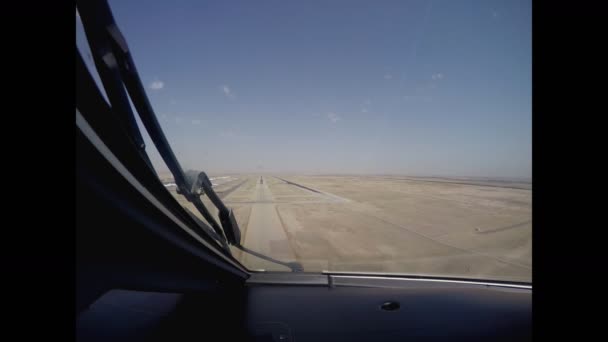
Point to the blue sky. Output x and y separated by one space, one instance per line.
413 87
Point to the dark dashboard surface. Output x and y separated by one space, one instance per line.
417 312
270 312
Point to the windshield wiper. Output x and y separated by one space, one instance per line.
121 81
294 266
200 181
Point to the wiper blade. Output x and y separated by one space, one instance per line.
220 239
294 266
118 73
192 193
230 226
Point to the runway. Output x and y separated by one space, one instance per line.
265 233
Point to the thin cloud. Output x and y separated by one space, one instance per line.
157 85
178 120
333 117
437 76
417 98
196 122
388 76
227 134
227 91
366 104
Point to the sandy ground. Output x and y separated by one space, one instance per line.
453 227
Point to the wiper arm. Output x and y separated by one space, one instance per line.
118 73
228 221
294 266
200 206
226 215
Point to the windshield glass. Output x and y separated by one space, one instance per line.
356 136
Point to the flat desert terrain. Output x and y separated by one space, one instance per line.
389 224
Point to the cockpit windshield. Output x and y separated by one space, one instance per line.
389 137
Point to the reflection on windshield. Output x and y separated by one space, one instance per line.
356 136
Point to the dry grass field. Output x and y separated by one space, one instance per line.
388 224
